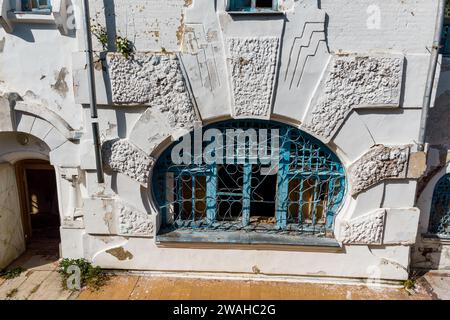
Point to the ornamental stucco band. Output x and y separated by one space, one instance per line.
380 163
354 81
366 229
121 156
133 222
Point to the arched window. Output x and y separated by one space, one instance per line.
249 175
440 208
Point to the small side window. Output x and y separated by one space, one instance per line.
440 208
36 6
254 6
445 41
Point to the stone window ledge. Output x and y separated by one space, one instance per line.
58 16
251 240
259 12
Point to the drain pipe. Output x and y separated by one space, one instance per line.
431 74
92 94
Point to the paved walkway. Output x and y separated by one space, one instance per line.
41 281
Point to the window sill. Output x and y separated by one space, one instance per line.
31 17
40 11
257 12
190 238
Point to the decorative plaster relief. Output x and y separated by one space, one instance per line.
203 57
355 82
121 156
252 67
133 222
304 58
366 229
378 164
155 80
197 42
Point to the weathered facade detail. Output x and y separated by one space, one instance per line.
380 163
347 101
154 80
252 67
121 156
303 59
365 229
133 222
355 82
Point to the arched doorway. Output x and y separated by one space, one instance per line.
36 182
29 214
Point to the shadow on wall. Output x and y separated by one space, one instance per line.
110 20
439 122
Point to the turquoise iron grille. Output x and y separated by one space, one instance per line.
302 195
440 208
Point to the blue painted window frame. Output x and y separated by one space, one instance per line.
439 223
325 175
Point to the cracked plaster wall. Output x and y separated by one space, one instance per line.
150 24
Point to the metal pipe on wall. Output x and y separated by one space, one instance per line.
431 74
92 94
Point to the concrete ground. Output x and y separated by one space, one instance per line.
41 281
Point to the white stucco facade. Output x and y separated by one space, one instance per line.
319 66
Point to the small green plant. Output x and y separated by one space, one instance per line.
100 34
124 46
409 284
11 273
90 276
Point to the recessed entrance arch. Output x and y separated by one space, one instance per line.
29 210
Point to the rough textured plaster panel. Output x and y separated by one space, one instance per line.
133 222
252 69
152 79
366 229
378 164
121 156
354 82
